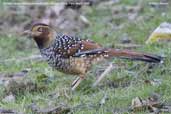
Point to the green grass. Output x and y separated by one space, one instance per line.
137 30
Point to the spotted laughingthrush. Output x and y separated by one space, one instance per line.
75 56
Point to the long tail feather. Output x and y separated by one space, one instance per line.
124 54
127 54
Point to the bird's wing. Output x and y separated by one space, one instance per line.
75 47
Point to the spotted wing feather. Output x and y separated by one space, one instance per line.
73 46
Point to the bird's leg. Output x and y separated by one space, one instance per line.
76 82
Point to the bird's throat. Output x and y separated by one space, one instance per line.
44 41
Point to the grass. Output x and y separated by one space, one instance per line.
137 30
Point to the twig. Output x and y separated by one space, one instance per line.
107 70
33 57
127 45
61 109
9 111
6 111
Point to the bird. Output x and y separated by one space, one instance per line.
75 56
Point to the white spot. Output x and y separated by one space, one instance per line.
106 55
83 55
82 47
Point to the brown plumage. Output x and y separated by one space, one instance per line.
73 55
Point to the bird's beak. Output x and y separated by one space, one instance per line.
27 33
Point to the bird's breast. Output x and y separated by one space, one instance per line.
70 65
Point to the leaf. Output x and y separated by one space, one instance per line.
161 33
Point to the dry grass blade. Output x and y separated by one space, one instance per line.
107 70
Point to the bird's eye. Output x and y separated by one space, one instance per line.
40 29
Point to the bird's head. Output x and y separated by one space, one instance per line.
43 34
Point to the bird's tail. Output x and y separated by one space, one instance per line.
132 55
124 54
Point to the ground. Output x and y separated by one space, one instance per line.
109 28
